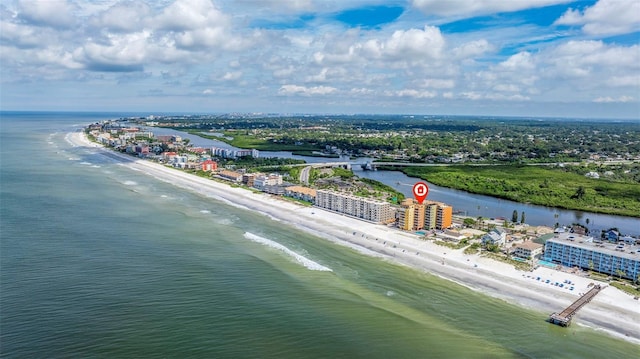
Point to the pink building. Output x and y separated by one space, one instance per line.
209 165
167 156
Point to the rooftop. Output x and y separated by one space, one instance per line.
353 197
303 190
529 245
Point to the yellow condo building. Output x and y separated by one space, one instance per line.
428 215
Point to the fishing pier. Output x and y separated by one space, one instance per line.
564 318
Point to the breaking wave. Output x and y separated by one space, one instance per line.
308 263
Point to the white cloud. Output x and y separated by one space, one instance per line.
472 95
183 15
232 76
589 58
478 96
124 16
606 17
569 71
403 46
202 46
439 83
303 90
521 61
609 99
467 8
321 77
626 80
197 25
506 88
22 36
284 72
416 43
361 91
472 49
53 13
412 93
199 38
121 53
327 75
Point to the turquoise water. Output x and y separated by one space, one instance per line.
98 260
547 263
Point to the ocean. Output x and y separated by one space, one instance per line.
98 260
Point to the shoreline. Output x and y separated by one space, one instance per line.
611 311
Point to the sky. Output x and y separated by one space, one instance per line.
530 58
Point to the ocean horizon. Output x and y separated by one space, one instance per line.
98 260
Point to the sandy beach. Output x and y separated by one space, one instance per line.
611 310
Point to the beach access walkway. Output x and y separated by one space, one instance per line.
564 318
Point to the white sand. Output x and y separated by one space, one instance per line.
611 310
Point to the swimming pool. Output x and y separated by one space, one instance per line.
547 264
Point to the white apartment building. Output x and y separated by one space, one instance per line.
365 208
262 181
574 250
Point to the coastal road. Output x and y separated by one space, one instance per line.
304 175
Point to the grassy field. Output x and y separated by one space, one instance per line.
551 187
245 141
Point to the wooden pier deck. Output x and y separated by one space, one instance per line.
564 318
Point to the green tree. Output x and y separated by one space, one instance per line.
514 216
469 222
522 218
579 193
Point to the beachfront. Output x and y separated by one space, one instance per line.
611 310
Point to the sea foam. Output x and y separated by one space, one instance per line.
308 263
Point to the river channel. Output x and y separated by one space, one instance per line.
465 203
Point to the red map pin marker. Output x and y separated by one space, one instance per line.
420 191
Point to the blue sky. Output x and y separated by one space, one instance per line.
552 58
